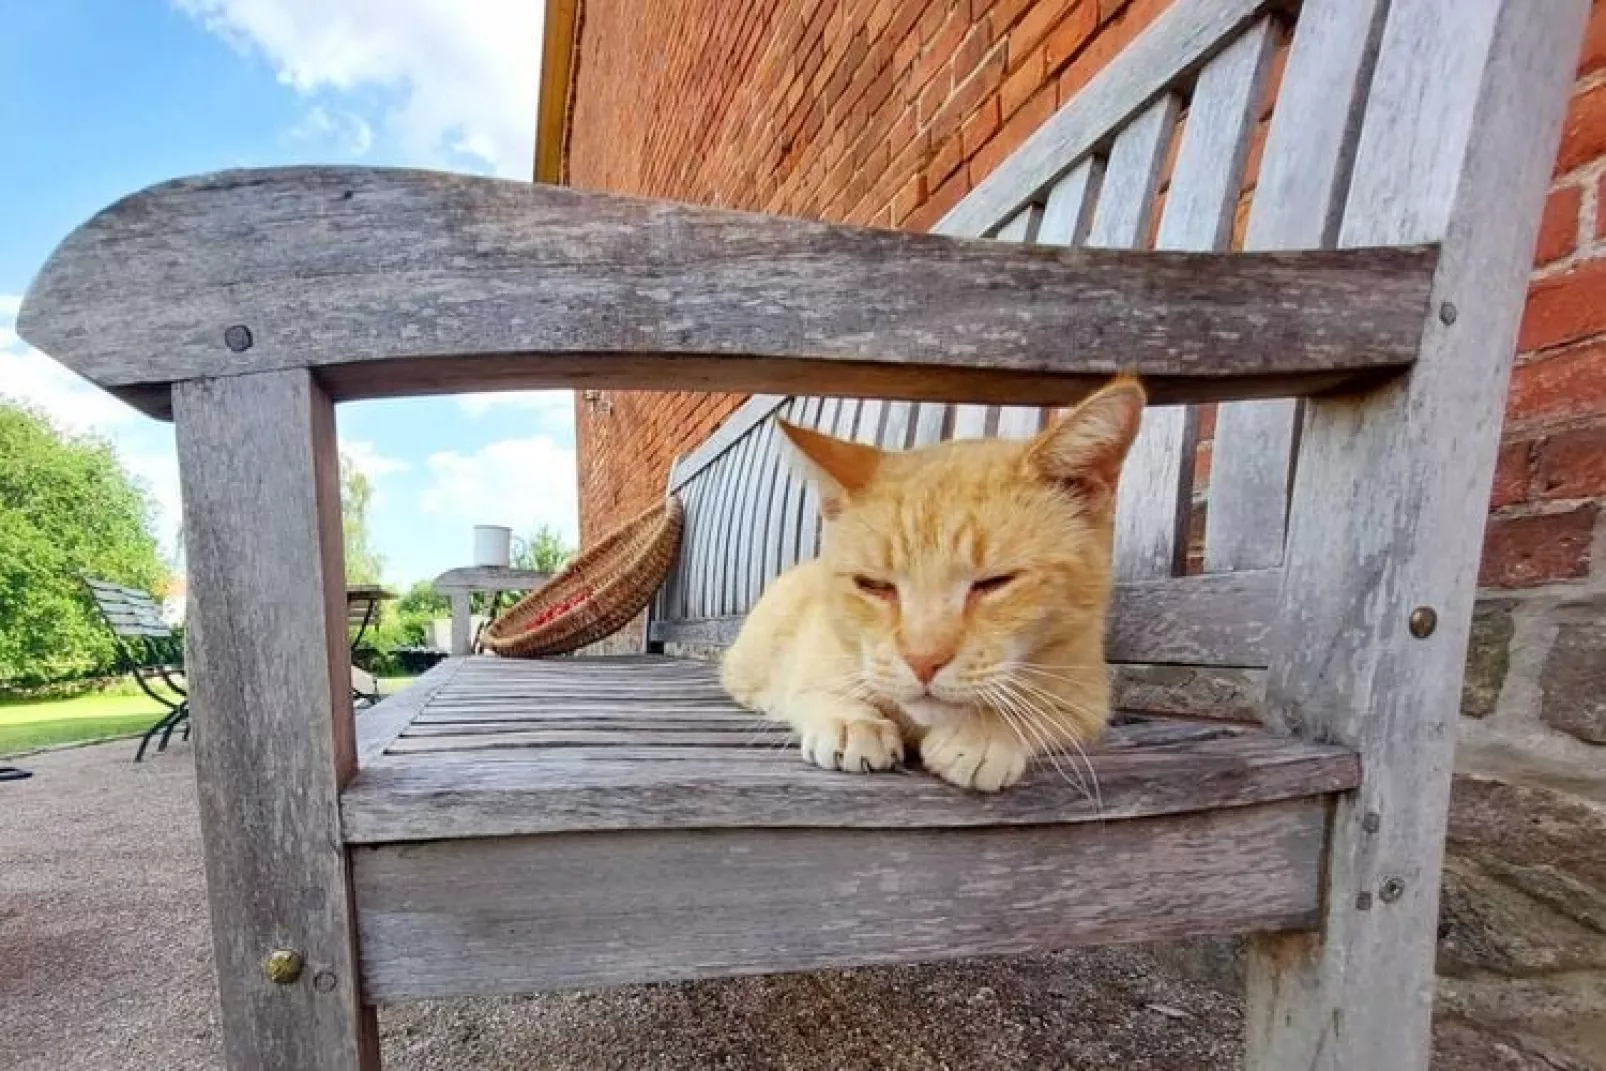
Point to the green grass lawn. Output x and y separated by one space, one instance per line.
34 724
26 725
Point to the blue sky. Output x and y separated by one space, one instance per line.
99 98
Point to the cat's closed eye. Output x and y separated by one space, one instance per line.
879 589
989 584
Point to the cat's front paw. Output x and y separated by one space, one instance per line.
974 755
860 745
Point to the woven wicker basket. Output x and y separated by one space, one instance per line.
595 595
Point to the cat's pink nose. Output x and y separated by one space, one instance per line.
927 664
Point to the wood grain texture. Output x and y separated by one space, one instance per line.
898 426
1126 198
1224 619
1299 195
459 918
1225 693
268 673
1461 126
1068 213
429 283
930 420
798 491
756 516
780 494
383 723
1156 492
1186 34
738 527
488 578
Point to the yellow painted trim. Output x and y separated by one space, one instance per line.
558 40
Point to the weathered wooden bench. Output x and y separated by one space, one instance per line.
507 826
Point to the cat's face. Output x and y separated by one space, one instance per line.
972 572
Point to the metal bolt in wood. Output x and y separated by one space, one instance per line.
1423 620
237 338
1391 890
283 966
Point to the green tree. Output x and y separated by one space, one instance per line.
545 551
363 564
67 507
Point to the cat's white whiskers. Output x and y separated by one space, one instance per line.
1004 698
1073 737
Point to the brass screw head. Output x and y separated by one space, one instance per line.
283 966
1423 620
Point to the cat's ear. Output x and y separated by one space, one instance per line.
1085 448
839 468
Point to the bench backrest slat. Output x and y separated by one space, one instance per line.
129 613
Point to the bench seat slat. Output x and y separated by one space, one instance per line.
655 761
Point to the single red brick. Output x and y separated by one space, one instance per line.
1039 18
939 51
1565 308
1558 228
1022 83
1572 464
978 41
943 162
932 98
1005 13
1512 474
968 97
981 125
908 198
1071 34
1108 9
1015 130
1583 136
1524 551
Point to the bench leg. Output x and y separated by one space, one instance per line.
270 684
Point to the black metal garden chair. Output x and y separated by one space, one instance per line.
149 650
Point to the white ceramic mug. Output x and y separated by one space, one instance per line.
492 545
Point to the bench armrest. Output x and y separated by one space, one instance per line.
394 282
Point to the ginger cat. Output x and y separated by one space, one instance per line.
958 604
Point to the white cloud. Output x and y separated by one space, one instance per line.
77 406
28 376
346 129
520 483
373 464
464 73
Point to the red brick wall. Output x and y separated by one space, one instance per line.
1552 475
888 112
881 112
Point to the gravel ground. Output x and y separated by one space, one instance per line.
105 964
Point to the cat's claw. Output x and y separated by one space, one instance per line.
861 746
972 757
